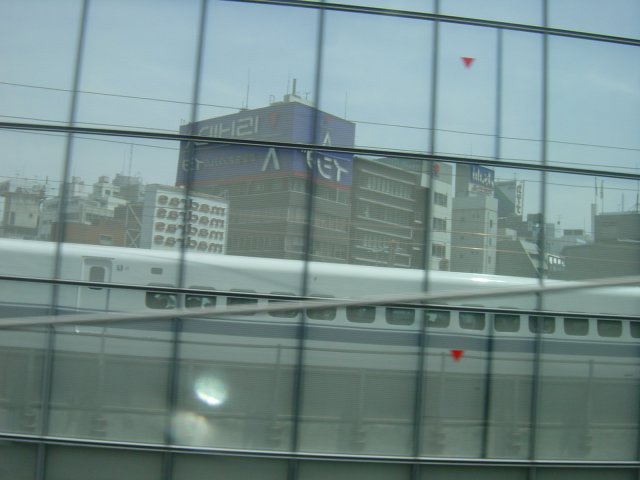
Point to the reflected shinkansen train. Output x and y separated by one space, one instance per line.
481 360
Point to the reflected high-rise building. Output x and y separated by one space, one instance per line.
268 188
475 220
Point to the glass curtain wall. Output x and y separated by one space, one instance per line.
179 176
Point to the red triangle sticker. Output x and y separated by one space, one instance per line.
468 61
457 355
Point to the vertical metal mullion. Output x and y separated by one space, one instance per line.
47 370
178 323
536 387
298 380
491 319
423 339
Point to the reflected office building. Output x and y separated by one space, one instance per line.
268 188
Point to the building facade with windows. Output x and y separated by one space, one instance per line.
268 188
388 213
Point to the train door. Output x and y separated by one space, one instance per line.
95 269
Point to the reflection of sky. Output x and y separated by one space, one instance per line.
376 69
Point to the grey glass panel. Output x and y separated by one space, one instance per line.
410 5
113 201
110 382
588 398
466 116
265 57
30 176
520 11
202 467
591 228
585 473
473 472
22 353
618 19
346 471
521 104
398 118
68 463
148 84
235 383
18 460
38 55
359 388
455 389
593 108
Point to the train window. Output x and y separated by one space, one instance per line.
635 329
233 301
200 301
282 313
506 323
472 320
437 318
97 274
609 328
361 314
576 326
322 313
160 300
400 316
326 313
542 324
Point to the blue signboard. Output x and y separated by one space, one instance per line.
482 176
290 122
222 163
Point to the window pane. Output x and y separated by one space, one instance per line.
31 45
398 121
110 382
542 324
18 460
576 326
361 314
592 123
149 84
200 467
400 316
609 328
506 323
472 320
617 19
437 318
70 463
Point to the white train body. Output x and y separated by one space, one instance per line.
470 354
